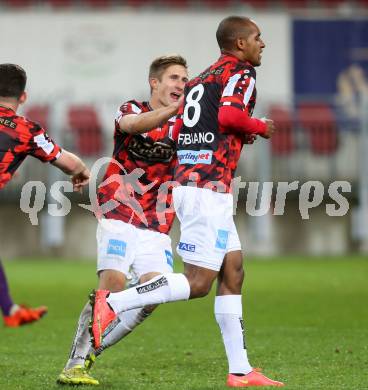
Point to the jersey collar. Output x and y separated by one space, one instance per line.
228 56
6 108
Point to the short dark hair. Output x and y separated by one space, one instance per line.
230 29
160 64
13 80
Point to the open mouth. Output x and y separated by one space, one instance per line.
175 96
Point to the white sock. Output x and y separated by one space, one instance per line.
160 289
81 342
229 316
128 321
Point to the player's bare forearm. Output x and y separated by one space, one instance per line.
141 123
69 163
72 165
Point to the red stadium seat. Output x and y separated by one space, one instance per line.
318 119
87 129
39 114
282 141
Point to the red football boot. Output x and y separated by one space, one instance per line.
24 315
254 378
103 317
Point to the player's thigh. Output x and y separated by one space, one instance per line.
116 245
154 253
205 225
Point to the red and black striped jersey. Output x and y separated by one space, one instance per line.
208 154
20 137
136 186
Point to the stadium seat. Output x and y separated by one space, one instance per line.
85 124
39 114
319 120
282 141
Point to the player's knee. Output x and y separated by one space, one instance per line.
112 280
200 288
200 280
231 281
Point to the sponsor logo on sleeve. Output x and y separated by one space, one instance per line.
46 145
169 258
186 247
195 156
222 237
116 247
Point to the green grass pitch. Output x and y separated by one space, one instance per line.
306 324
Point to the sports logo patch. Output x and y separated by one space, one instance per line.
221 240
195 156
46 145
152 286
116 247
186 247
169 258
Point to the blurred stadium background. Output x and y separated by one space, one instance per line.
84 58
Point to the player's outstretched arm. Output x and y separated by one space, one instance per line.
233 119
72 165
146 121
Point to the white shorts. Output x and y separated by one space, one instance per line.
122 246
207 229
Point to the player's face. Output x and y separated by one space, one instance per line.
253 46
171 86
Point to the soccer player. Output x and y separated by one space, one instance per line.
150 254
215 119
134 232
19 138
